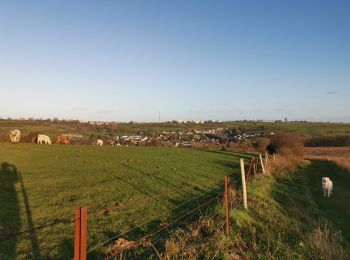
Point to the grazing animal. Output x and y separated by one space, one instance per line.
15 135
44 139
327 186
63 139
99 142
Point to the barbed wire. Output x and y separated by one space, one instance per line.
146 222
149 235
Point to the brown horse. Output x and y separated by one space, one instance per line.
63 139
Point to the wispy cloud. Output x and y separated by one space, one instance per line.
279 109
332 92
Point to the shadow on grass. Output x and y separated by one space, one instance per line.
10 220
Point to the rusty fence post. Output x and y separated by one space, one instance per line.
227 206
251 164
80 233
254 164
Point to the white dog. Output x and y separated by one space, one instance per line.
327 186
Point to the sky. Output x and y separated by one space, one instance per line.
187 59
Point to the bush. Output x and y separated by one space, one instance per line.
261 144
287 145
328 141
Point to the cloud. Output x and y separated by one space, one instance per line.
332 92
105 111
278 109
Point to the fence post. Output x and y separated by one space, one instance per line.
254 166
262 164
227 202
251 164
244 187
80 236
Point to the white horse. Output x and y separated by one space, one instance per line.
44 139
15 135
327 186
99 142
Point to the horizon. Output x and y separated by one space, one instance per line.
194 121
130 61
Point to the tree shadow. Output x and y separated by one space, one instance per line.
10 219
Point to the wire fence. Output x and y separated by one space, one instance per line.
165 226
255 167
146 222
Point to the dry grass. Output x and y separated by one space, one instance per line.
324 243
283 165
338 155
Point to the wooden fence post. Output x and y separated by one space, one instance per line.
227 202
80 236
244 187
262 164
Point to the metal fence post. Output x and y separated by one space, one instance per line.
80 233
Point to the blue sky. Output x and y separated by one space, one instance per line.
221 60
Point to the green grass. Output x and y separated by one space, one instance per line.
43 184
287 218
46 183
285 213
337 208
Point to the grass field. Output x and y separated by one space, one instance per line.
122 187
56 128
41 185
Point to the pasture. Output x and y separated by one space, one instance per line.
54 128
41 185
